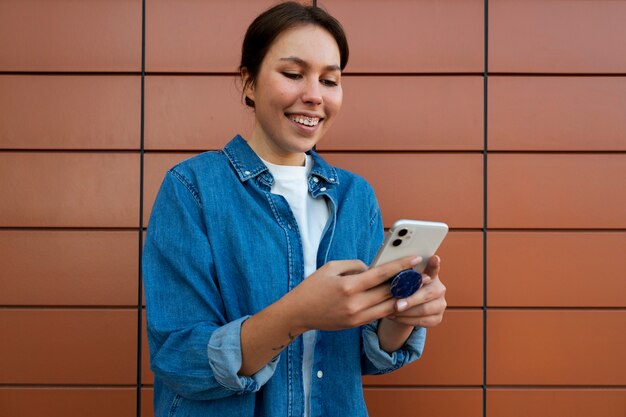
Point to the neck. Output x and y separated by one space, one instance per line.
265 150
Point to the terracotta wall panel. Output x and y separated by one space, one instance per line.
41 267
412 36
422 186
548 347
557 113
444 362
533 269
194 112
462 268
68 402
147 398
69 112
69 189
65 35
408 113
198 36
556 402
147 377
556 191
424 402
557 36
68 346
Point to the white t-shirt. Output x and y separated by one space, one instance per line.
311 214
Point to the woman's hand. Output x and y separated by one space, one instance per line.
425 307
346 294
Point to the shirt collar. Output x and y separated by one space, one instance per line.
247 164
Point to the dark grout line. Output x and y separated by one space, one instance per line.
485 201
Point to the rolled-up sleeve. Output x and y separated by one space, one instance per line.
194 348
224 352
377 361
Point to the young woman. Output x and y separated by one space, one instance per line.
259 298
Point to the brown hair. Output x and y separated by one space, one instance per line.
268 25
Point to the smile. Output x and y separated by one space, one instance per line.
304 120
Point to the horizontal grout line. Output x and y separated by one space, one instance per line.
325 152
71 386
91 307
458 308
366 386
578 387
67 229
452 229
348 73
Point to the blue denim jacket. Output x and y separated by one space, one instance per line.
220 247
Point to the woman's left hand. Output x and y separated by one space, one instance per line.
426 306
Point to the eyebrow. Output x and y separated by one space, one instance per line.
305 64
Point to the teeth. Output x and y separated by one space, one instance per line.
305 120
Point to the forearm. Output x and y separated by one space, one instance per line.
266 334
392 335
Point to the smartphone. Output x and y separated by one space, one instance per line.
411 238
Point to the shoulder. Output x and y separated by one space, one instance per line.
199 167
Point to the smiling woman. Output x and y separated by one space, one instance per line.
258 295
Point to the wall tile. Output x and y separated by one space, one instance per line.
443 363
68 267
68 402
198 36
422 186
556 402
68 346
556 269
548 347
424 402
556 191
70 112
412 36
194 112
422 113
65 35
557 36
557 113
43 189
462 268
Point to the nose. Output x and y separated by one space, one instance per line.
312 93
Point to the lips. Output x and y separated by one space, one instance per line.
305 120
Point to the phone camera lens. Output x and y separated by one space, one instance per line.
403 232
397 242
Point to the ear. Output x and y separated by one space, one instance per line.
248 90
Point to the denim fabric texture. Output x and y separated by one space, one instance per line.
219 248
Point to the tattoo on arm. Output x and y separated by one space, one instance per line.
281 347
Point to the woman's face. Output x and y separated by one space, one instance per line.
296 95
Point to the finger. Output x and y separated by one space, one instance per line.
435 289
433 266
376 312
377 275
433 307
427 321
347 267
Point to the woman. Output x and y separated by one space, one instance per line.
259 298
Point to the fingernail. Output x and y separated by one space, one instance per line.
401 305
416 260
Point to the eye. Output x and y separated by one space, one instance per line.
330 83
292 75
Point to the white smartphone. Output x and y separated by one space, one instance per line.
411 238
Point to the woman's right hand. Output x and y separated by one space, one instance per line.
345 294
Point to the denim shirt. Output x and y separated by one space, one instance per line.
220 247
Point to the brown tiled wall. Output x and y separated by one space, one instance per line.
518 141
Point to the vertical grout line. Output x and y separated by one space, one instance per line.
485 155
141 171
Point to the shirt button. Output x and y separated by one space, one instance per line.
331 179
320 374
289 226
246 173
315 179
323 189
